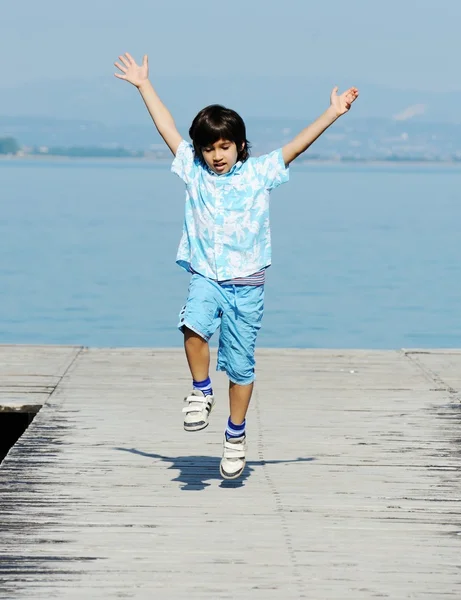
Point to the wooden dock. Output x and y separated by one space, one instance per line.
352 489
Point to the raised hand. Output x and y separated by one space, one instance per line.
133 73
342 103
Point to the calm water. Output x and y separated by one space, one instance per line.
363 257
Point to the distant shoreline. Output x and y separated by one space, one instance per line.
158 161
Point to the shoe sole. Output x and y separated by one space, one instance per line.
228 476
198 426
195 427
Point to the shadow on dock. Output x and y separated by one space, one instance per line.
196 471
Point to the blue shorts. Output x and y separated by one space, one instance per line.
238 311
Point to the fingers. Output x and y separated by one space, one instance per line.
350 96
130 59
353 91
145 61
125 60
119 66
120 76
334 94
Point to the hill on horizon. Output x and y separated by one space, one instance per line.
350 137
115 102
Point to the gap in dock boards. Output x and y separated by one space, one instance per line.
13 423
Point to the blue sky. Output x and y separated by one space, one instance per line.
264 58
400 44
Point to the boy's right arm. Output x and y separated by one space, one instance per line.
138 75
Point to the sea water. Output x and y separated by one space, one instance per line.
364 256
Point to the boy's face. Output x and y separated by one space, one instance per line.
220 156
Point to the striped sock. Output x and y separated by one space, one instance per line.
234 431
204 386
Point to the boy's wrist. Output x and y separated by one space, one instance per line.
332 113
143 85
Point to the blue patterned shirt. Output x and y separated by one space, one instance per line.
226 230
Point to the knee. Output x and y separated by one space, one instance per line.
239 372
241 377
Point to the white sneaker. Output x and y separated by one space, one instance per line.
233 458
197 410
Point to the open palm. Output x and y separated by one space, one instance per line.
342 103
133 73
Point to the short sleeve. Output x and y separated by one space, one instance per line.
184 162
272 169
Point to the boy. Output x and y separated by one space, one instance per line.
225 245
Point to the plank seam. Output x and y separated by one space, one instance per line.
66 371
432 376
279 508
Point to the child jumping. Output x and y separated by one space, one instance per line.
225 245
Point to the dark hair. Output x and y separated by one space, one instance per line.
215 122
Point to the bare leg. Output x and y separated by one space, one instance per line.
239 401
198 406
233 459
197 354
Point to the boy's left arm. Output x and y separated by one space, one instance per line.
339 105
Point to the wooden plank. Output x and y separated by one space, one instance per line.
351 489
442 366
21 405
33 361
30 374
